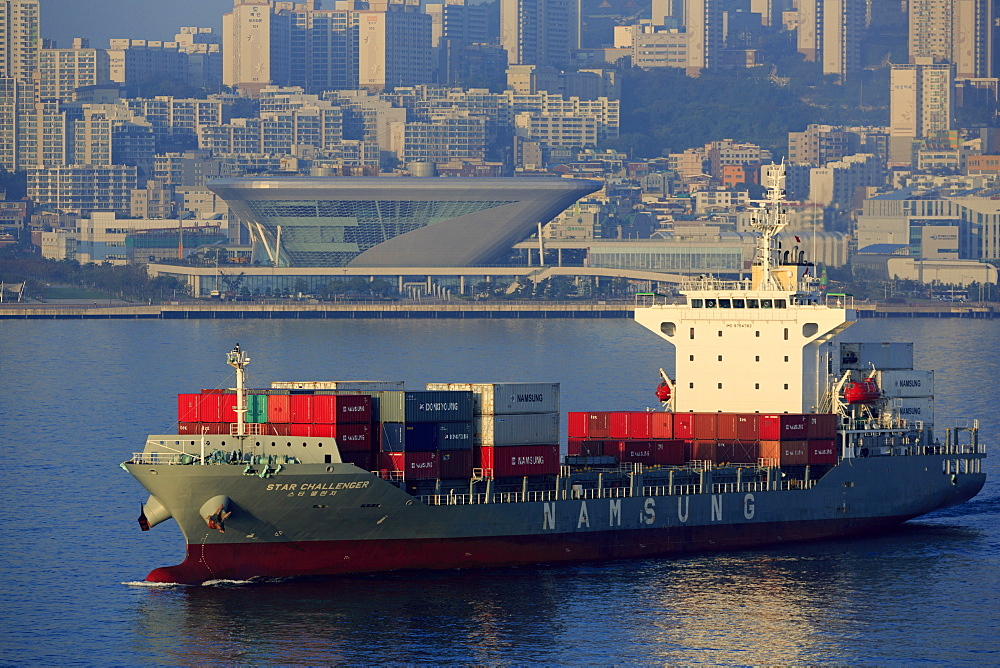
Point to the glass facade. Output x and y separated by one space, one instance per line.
669 258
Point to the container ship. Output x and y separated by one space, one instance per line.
776 427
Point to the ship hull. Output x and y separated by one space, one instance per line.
309 521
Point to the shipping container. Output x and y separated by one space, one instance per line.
413 465
392 436
256 405
651 452
456 435
444 406
455 464
906 383
704 450
363 460
351 436
662 425
420 437
342 408
301 429
630 424
301 409
684 425
785 453
211 407
783 427
279 408
747 426
523 429
737 452
585 447
189 407
882 356
203 428
821 425
914 409
588 424
276 429
349 385
507 398
518 460
823 451
705 425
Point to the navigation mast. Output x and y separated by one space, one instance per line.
768 219
238 359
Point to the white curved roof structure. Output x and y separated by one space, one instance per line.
396 221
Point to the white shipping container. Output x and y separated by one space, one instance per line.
863 356
348 385
508 398
915 409
524 429
906 383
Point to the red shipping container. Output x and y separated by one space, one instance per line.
456 463
188 427
630 424
672 452
585 447
648 451
276 429
363 460
618 424
297 429
413 465
783 427
588 424
737 452
188 407
519 460
301 410
704 450
200 428
821 425
341 408
684 425
229 408
726 426
705 425
351 437
211 407
212 391
747 426
279 407
662 425
785 453
823 451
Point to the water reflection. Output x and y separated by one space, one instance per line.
820 602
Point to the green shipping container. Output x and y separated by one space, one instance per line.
256 408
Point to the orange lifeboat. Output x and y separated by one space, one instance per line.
862 392
663 391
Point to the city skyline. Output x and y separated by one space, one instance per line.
102 20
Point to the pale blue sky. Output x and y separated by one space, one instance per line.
101 20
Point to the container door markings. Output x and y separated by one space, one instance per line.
748 506
716 507
683 512
584 519
548 516
649 508
615 513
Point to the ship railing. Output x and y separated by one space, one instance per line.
171 457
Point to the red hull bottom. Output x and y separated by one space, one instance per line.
243 561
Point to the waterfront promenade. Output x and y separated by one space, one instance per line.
409 310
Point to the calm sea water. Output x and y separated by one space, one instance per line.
76 398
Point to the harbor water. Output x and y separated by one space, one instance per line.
79 397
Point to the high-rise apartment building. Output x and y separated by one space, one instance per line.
963 32
255 45
394 45
703 24
19 38
62 71
920 104
829 32
540 32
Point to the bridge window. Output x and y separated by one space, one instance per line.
710 303
810 329
779 303
668 328
766 303
739 303
753 303
696 303
725 303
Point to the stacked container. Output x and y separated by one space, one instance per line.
630 436
515 426
425 435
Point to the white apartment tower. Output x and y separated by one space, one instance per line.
540 32
19 38
394 46
254 45
962 32
829 32
703 24
920 104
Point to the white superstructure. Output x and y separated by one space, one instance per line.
755 345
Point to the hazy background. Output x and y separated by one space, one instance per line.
101 20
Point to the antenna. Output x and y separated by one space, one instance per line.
238 359
768 219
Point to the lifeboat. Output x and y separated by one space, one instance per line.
862 392
663 391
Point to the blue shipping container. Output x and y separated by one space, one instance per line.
392 436
455 435
438 406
